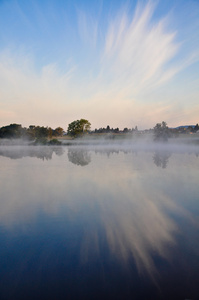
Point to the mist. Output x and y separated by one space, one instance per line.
78 148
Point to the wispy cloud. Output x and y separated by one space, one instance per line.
139 56
126 64
137 51
88 28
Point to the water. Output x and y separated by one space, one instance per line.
99 223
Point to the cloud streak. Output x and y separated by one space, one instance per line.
139 51
117 80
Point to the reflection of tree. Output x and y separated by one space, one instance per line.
107 152
58 151
161 159
79 157
42 152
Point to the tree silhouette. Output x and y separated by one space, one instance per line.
161 132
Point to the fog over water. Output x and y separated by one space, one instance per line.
116 220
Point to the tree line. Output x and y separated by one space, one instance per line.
162 132
32 132
81 127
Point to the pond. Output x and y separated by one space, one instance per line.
99 222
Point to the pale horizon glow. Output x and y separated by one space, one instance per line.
112 63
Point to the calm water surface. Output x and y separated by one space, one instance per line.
99 223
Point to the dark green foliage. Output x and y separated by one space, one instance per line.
11 131
41 132
54 142
38 132
78 127
16 131
58 131
44 141
31 132
50 132
41 141
107 130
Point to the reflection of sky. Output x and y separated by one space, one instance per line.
137 205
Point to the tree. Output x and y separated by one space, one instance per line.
58 131
161 132
50 132
78 127
12 131
116 130
41 132
196 128
108 128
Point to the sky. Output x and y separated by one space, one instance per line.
112 62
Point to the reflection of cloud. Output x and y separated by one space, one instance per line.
123 202
135 226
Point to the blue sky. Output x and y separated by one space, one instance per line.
116 63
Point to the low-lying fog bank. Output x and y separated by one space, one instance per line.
18 148
14 142
144 141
